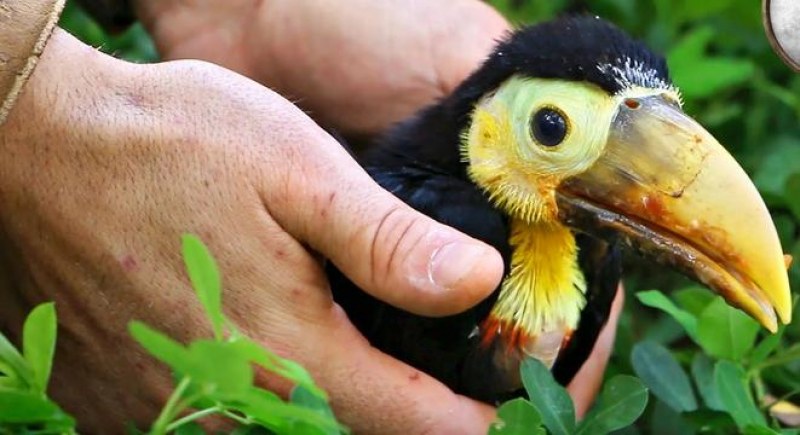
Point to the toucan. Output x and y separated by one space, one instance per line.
566 147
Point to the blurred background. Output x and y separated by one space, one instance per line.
735 85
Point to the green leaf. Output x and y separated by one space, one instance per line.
703 373
265 408
767 346
699 75
39 343
302 396
659 370
160 346
190 428
678 422
693 299
204 274
219 365
781 358
8 383
781 161
274 363
690 47
550 399
754 429
735 396
517 417
656 299
694 10
31 408
725 332
792 194
621 402
14 365
251 430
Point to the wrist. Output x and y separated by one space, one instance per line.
71 81
27 26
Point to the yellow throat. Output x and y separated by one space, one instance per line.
541 298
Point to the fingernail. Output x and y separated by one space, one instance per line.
452 262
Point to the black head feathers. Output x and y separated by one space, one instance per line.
579 48
576 48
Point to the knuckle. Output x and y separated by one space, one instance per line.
386 251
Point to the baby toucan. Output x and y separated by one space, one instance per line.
566 145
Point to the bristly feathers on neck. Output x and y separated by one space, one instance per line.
541 299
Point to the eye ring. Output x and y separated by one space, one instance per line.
549 126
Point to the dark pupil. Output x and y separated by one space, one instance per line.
549 127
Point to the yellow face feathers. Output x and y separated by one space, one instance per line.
523 141
519 173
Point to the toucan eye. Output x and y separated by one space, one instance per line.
548 126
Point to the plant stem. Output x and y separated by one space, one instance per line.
244 421
784 357
758 386
170 409
192 417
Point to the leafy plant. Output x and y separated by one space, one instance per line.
728 375
24 406
216 376
550 407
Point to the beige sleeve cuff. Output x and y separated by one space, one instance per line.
25 27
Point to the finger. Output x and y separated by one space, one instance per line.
375 86
386 248
378 394
586 383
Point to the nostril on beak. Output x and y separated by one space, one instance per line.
632 103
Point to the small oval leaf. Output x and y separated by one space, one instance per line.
735 396
725 332
659 370
702 372
39 343
656 299
550 399
204 274
516 417
622 402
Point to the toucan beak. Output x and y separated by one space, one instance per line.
668 189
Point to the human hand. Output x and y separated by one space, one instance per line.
357 66
107 163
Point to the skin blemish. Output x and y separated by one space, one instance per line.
128 263
135 100
414 377
324 210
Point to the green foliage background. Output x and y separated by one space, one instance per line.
736 87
